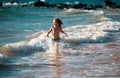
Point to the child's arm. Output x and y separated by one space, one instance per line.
64 32
49 32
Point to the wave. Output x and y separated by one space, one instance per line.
92 33
74 11
99 16
97 32
16 4
6 51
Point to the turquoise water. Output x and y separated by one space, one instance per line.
91 50
16 22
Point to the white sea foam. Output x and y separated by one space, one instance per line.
1 55
15 4
34 44
78 34
75 11
98 15
92 32
95 32
8 4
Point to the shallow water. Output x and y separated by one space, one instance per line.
92 49
101 60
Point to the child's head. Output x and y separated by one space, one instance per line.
57 21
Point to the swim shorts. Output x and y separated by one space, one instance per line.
56 40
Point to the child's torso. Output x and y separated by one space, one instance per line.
55 32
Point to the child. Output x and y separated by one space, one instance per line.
55 30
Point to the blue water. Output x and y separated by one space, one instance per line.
91 49
16 22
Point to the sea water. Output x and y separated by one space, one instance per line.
92 48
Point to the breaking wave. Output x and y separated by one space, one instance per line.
97 32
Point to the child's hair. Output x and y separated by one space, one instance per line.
58 21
